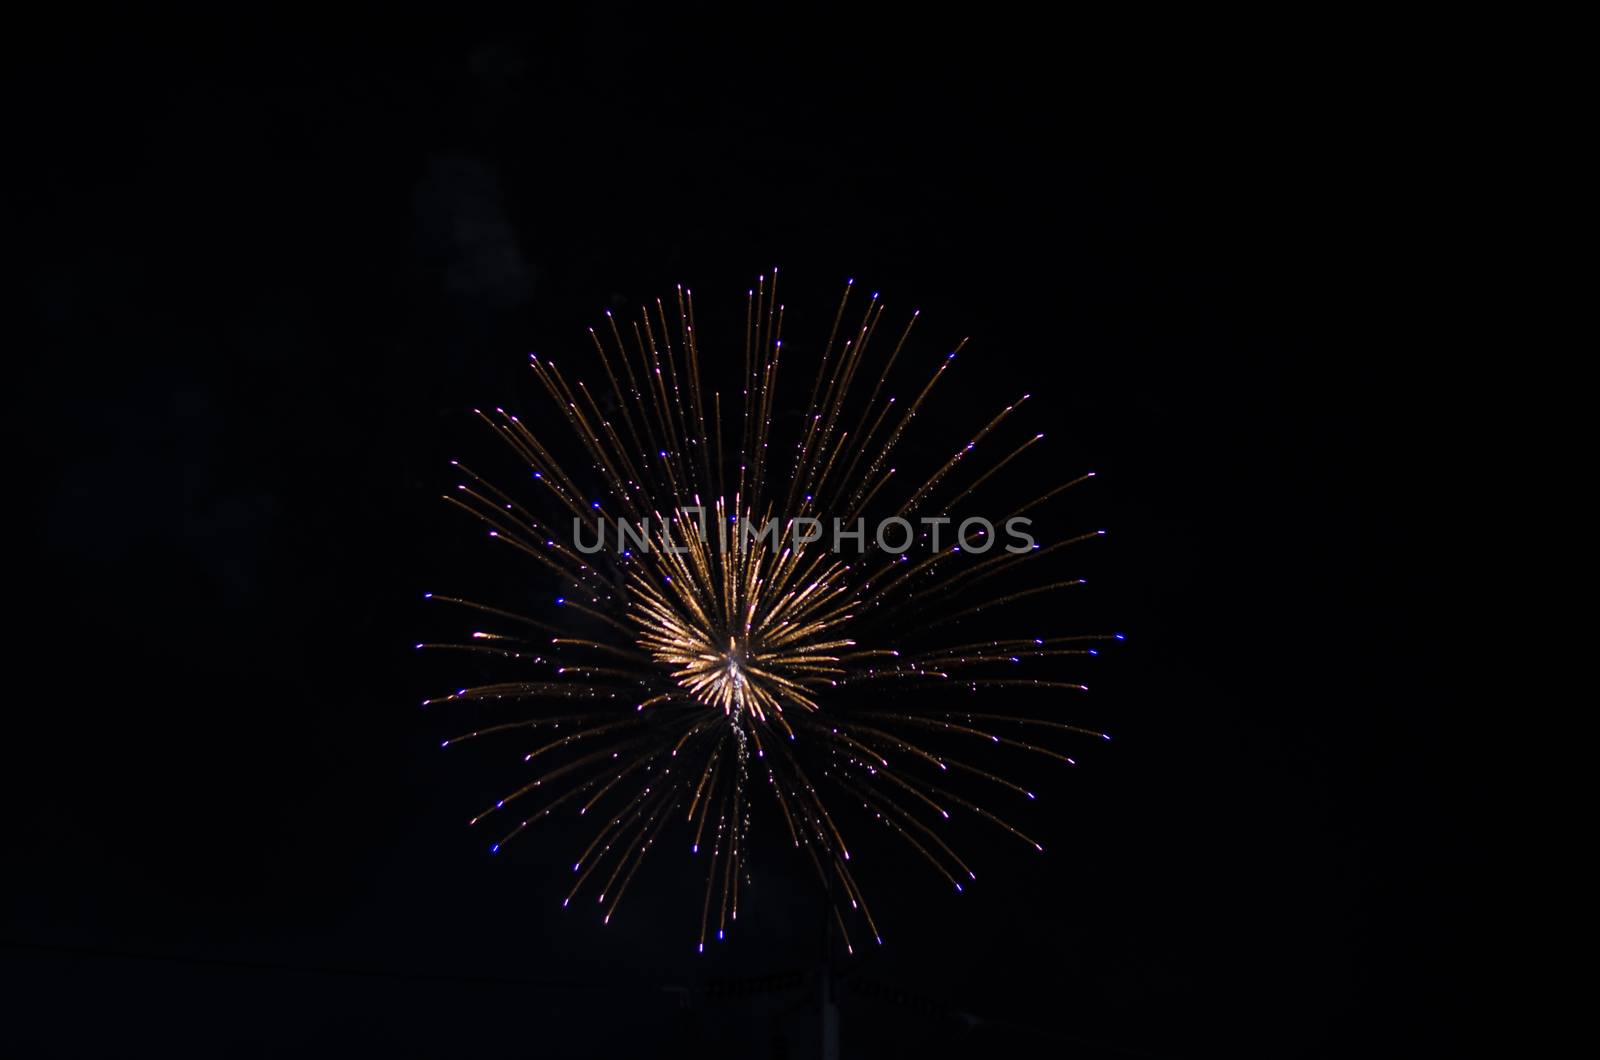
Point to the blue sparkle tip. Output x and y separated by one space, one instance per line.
561 599
495 849
1119 636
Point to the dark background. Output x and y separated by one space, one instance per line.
268 266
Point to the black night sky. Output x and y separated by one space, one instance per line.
269 265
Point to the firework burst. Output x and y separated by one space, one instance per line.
714 642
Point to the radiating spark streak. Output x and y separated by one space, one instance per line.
497 612
1062 726
561 771
1004 741
896 818
1009 598
561 742
973 572
638 858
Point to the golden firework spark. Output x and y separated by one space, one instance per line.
718 637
